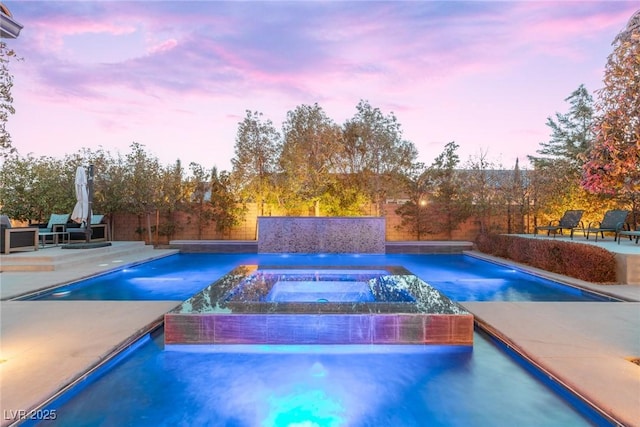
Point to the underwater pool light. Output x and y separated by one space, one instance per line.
308 408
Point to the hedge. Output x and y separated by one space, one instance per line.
584 262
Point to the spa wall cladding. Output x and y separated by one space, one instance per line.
321 235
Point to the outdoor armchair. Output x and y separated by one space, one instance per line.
16 238
569 221
612 222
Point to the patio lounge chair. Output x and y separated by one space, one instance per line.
16 238
613 222
569 221
630 233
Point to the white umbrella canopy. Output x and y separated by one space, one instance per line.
81 210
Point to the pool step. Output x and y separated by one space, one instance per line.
56 258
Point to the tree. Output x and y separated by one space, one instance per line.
256 155
375 153
449 205
173 197
199 185
309 156
515 192
35 187
557 172
224 209
571 135
18 176
110 184
613 164
341 198
6 99
414 213
143 185
482 180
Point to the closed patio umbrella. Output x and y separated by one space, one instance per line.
81 210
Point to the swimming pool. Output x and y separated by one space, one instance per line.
318 386
178 277
298 385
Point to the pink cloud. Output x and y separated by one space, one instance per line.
436 64
164 46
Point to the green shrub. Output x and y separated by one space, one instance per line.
584 262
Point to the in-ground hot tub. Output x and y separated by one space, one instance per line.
331 305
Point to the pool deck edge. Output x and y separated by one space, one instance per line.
584 346
48 345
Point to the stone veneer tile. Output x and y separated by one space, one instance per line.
319 329
385 329
411 329
207 328
182 329
240 329
360 329
449 329
321 235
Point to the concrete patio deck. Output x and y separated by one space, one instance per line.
46 345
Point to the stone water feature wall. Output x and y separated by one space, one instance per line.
321 235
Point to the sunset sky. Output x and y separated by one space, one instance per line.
177 76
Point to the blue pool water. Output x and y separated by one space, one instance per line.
318 386
178 277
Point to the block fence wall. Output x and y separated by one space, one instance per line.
132 227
